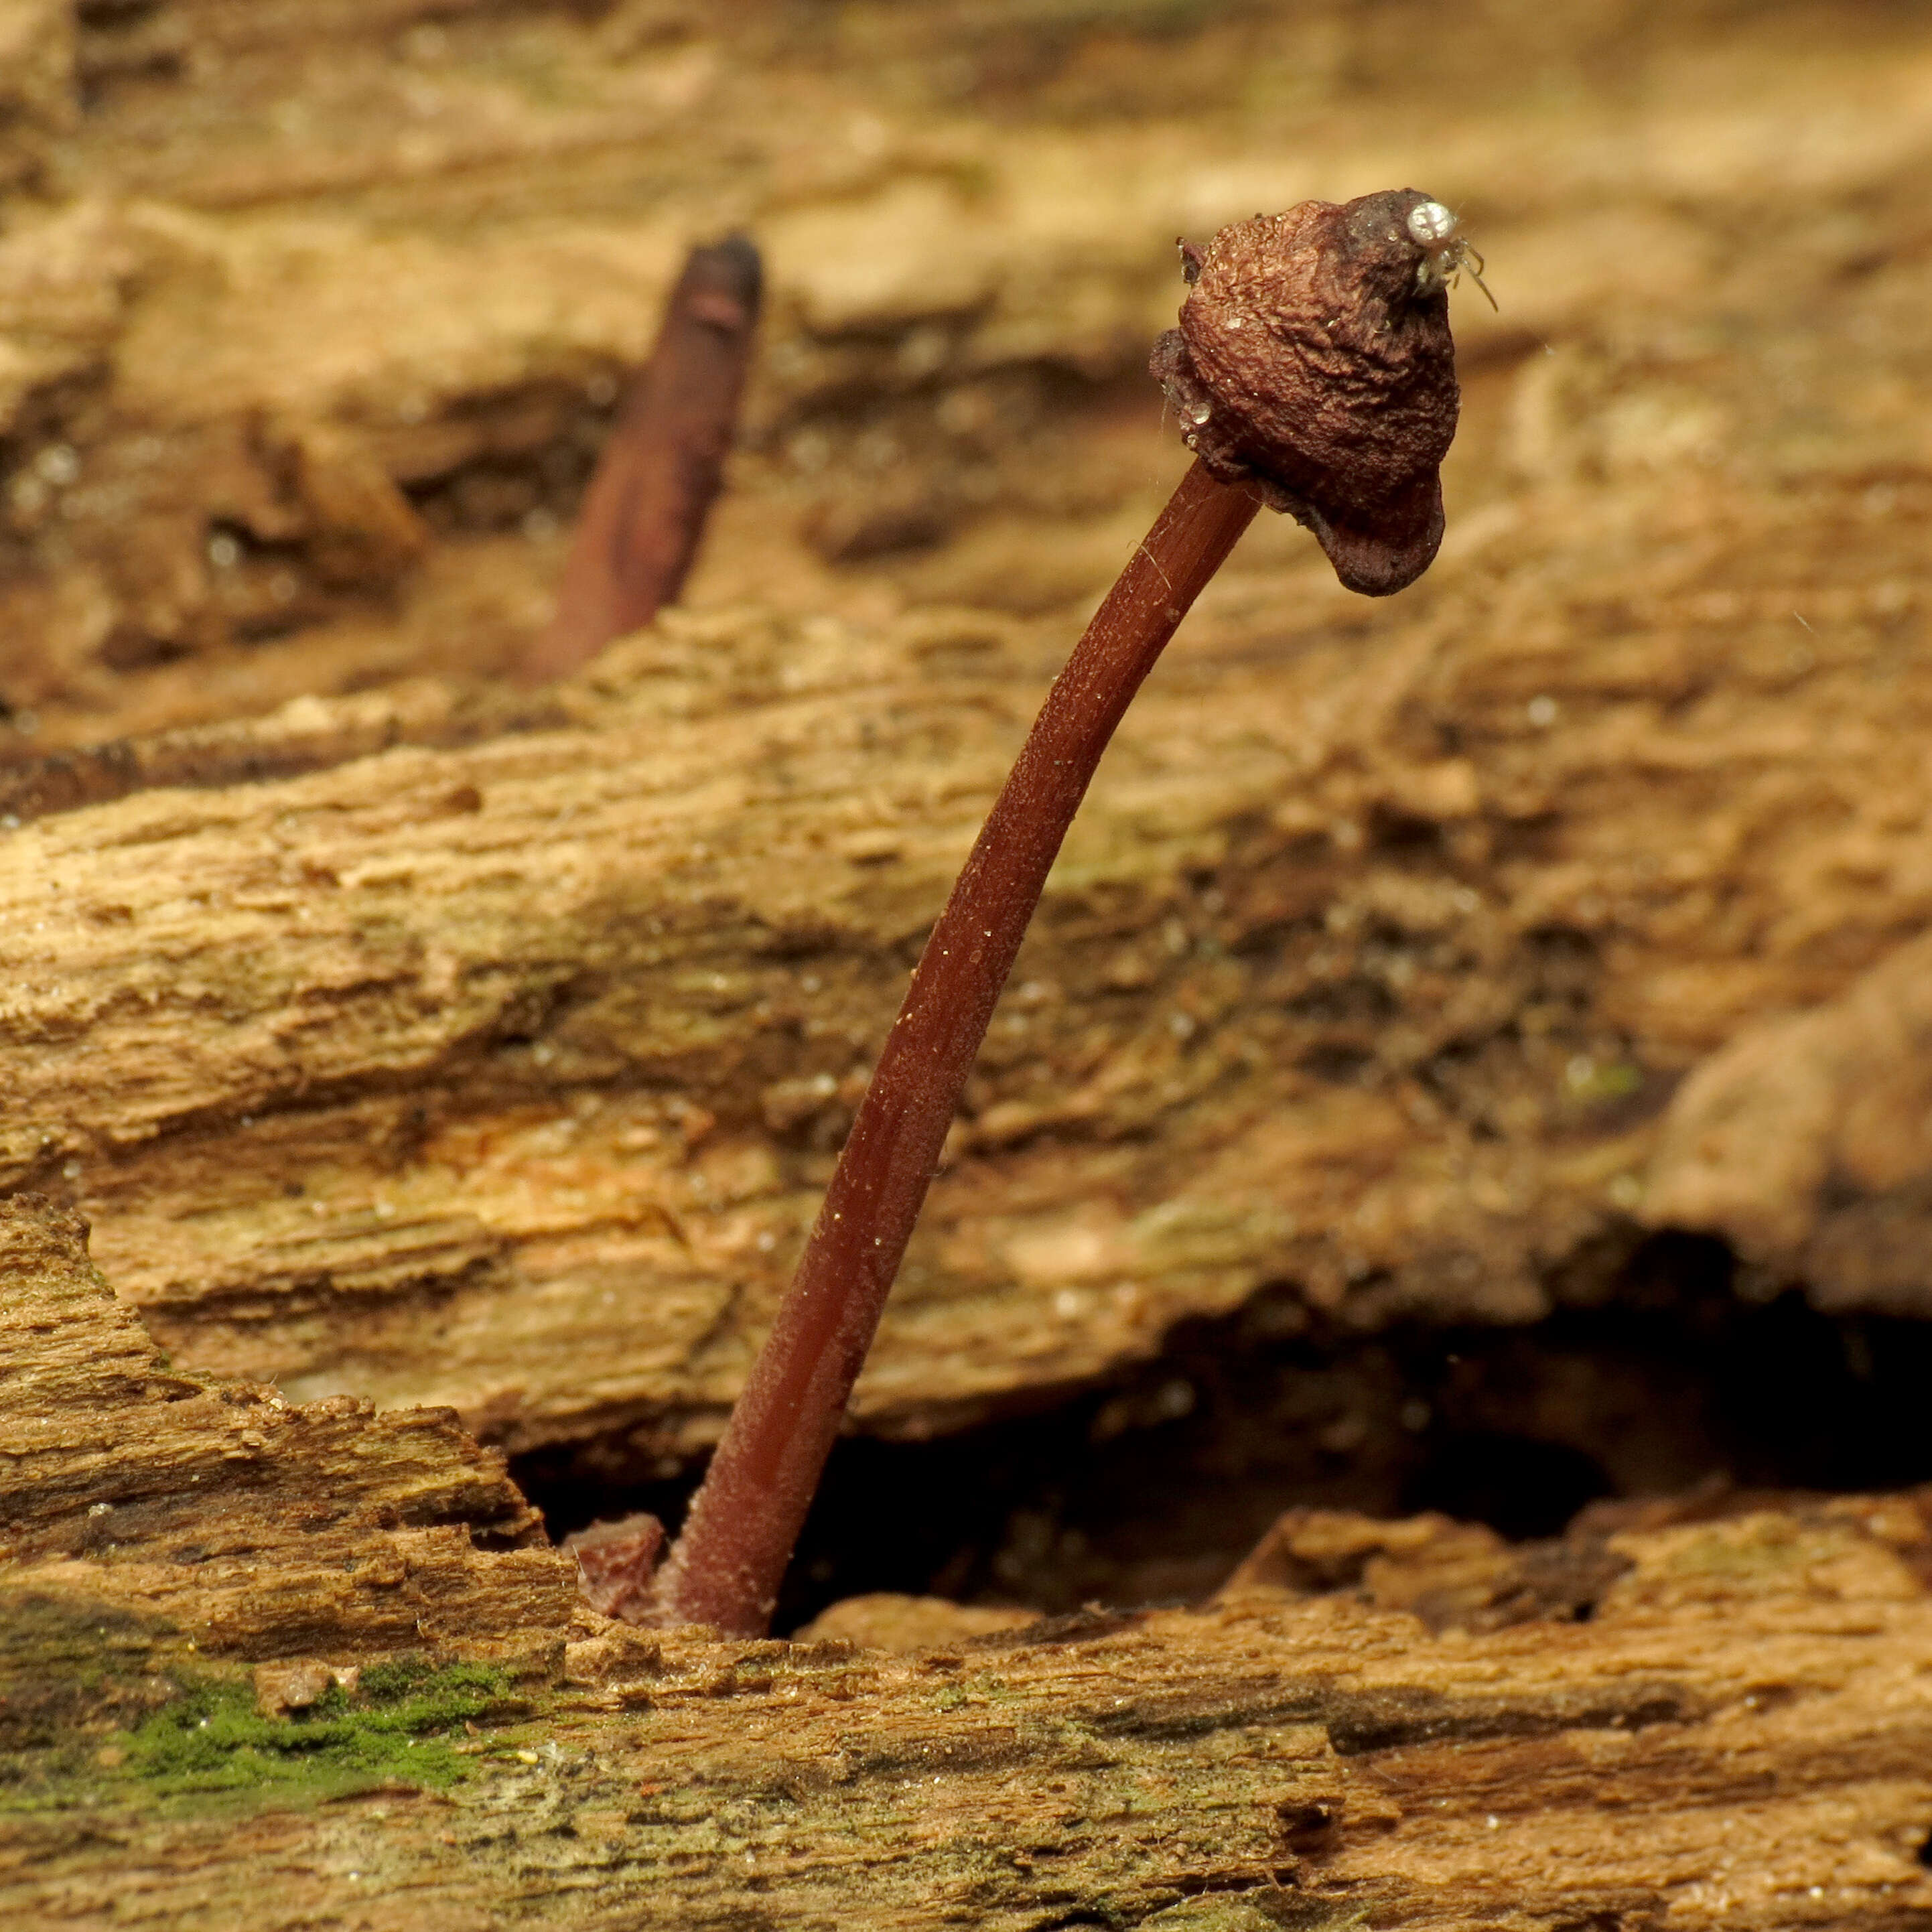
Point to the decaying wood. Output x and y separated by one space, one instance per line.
434 1075
414 1043
266 1529
1388 935
1808 1140
1739 1737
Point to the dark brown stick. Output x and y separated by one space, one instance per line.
728 1564
644 511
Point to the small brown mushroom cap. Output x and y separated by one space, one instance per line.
1314 363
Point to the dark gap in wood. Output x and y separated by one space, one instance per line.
1150 1488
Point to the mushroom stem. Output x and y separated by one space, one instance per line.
644 513
728 1564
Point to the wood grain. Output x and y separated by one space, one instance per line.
1740 1736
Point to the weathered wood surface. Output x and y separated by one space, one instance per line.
266 1528
434 1075
420 1044
1388 932
1740 1736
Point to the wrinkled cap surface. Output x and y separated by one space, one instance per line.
1314 363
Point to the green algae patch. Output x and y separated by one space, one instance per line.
402 1725
123 1717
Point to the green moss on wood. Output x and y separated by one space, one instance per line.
122 1713
397 1727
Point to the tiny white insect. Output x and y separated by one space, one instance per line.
1431 224
1437 230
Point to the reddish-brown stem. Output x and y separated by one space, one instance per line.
728 1564
645 510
